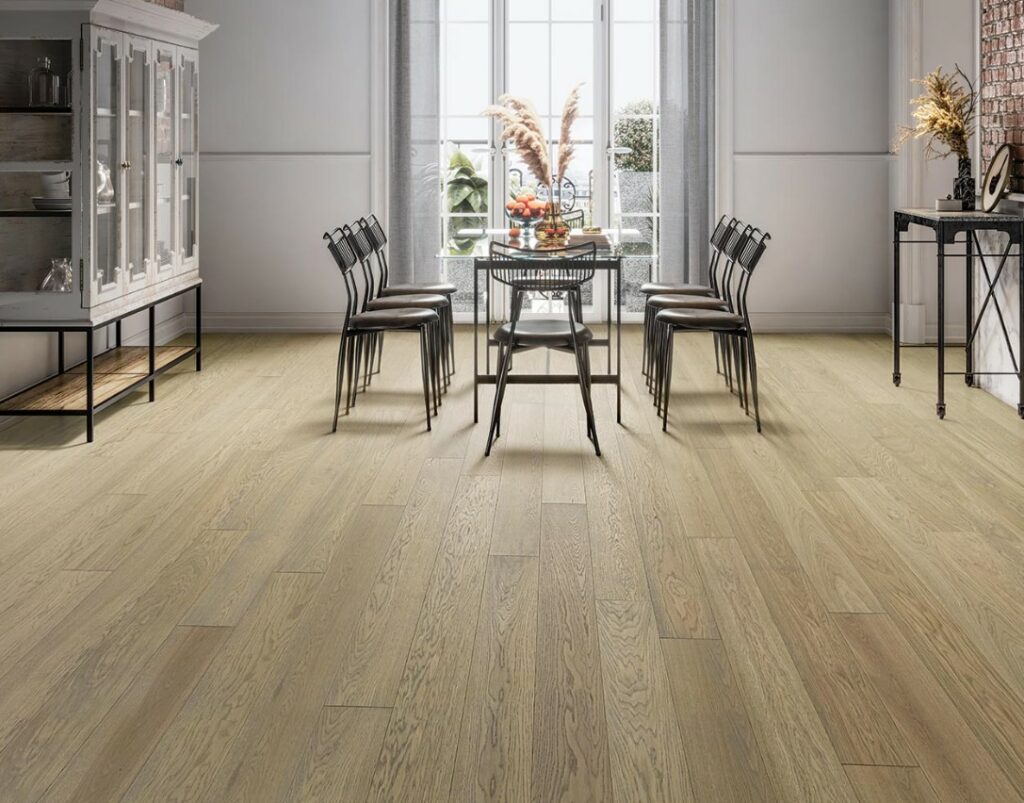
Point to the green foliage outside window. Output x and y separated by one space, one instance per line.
636 134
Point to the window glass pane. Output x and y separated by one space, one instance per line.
467 68
634 10
572 9
467 130
528 65
572 62
635 53
527 10
466 10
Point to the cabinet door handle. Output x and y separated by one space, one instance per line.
178 162
126 165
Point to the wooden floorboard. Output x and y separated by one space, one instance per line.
221 600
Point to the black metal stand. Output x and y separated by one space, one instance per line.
606 264
947 226
9 406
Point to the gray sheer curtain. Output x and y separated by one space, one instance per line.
687 138
414 182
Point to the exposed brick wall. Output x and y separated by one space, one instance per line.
177 5
1002 82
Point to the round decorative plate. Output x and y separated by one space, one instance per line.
996 178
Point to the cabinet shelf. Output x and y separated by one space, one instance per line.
35 213
35 110
36 167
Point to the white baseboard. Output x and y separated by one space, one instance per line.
166 331
268 322
821 322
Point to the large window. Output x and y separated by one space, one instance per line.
540 49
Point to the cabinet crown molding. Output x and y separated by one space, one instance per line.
141 15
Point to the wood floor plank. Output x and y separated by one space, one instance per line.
799 757
373 666
417 758
956 763
495 754
275 738
647 759
723 757
338 766
563 462
517 520
852 712
570 737
677 591
890 784
184 763
120 744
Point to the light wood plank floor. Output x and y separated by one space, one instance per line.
221 601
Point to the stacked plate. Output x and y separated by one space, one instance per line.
52 204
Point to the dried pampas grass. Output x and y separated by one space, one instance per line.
944 114
570 112
523 128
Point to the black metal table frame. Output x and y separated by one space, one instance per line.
90 330
605 264
946 232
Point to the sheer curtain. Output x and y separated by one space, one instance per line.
414 182
687 138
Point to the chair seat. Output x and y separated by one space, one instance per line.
661 288
686 302
398 317
442 288
421 300
705 319
544 332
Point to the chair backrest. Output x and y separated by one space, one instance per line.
340 248
360 241
719 239
563 270
379 241
753 248
573 220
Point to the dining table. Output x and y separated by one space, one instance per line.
607 266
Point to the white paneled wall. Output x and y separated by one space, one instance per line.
808 85
285 138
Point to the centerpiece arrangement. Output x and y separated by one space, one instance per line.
945 116
524 130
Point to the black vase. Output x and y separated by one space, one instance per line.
963 187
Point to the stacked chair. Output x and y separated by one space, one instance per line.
373 308
720 307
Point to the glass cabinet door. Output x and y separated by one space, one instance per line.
107 58
136 166
165 107
188 157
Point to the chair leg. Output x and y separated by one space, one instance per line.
718 365
504 355
588 404
371 347
340 377
743 373
753 378
380 351
425 371
353 348
668 378
645 367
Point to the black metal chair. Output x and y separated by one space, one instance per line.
373 300
360 326
734 324
574 219
378 240
662 295
564 271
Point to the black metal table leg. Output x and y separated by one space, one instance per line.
1020 324
896 302
60 352
90 412
618 344
199 327
117 334
969 297
940 404
152 353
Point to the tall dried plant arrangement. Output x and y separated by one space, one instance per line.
944 114
570 112
523 129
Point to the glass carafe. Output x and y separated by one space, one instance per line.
44 85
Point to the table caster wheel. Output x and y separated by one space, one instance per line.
940 411
896 378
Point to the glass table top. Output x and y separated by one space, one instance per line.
609 242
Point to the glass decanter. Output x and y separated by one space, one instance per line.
44 85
